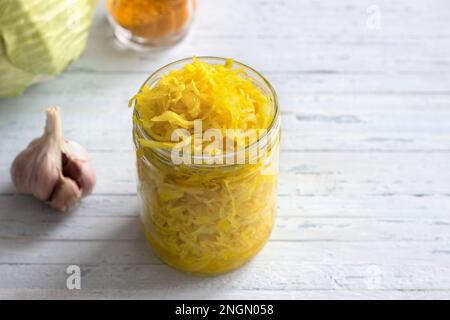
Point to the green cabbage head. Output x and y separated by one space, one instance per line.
39 39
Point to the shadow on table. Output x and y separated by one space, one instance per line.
109 247
130 265
25 216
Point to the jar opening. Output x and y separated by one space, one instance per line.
265 138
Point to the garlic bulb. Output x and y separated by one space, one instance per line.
54 169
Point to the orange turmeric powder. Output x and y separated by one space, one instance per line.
151 19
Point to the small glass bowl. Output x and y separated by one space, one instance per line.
147 24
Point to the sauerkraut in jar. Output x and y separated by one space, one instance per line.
214 210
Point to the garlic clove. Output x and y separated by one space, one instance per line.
78 166
45 176
66 196
82 173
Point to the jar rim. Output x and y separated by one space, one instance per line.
274 124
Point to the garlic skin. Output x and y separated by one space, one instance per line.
35 169
54 169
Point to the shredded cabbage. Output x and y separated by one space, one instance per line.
205 219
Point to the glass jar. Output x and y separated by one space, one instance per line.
150 23
209 218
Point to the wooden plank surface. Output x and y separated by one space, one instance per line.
364 197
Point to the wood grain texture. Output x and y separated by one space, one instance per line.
364 197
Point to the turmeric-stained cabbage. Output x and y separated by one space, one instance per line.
206 219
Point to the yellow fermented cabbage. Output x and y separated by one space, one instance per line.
205 219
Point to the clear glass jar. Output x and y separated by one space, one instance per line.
209 219
142 24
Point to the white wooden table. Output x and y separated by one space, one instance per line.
364 200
